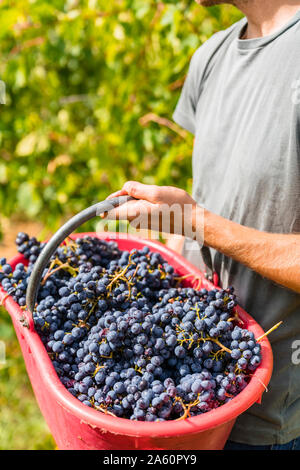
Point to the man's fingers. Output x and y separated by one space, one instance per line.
138 190
128 211
121 192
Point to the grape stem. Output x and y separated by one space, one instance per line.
4 299
52 271
196 279
214 340
69 243
186 408
104 410
119 276
269 331
260 381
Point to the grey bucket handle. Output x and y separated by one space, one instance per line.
61 234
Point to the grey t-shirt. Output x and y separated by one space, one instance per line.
241 100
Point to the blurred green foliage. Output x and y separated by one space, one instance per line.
81 79
21 423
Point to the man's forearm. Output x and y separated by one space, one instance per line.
274 256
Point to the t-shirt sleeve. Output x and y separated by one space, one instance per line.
185 111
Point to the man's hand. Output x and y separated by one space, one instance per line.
162 208
274 256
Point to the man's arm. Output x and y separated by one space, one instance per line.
175 242
274 256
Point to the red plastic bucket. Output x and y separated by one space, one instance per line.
76 426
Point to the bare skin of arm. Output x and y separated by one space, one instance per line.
273 256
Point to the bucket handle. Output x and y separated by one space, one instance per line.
62 233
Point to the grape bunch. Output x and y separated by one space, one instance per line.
127 338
